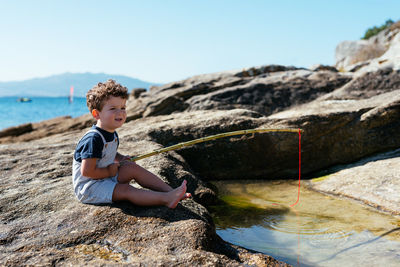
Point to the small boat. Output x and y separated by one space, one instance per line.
24 99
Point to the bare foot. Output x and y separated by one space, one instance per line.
176 195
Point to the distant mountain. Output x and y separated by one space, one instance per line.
59 85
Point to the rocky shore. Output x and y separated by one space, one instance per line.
351 137
43 223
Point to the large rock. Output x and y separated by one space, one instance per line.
390 59
43 224
343 131
374 181
336 131
266 90
348 53
379 51
267 155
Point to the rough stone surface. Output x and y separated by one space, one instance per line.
346 52
17 130
264 92
43 224
368 85
374 181
378 52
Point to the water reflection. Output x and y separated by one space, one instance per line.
319 231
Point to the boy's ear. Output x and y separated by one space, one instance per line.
95 114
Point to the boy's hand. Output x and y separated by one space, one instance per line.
126 158
113 169
122 158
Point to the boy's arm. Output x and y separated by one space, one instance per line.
89 169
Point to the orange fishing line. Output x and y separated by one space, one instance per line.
298 191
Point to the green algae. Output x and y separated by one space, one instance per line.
320 230
319 179
240 211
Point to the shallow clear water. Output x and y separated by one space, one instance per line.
14 113
319 231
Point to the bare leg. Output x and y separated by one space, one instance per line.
131 170
149 198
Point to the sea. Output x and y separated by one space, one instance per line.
13 112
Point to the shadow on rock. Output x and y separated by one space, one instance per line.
180 213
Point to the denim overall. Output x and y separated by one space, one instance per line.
96 191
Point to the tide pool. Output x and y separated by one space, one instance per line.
320 230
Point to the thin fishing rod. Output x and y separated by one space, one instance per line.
209 138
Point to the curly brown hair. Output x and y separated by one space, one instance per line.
101 92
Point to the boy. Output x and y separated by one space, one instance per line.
97 173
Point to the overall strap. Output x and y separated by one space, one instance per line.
96 131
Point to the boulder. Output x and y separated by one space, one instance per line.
336 131
266 90
350 52
390 59
345 130
271 94
378 52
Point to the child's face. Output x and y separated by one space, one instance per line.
113 114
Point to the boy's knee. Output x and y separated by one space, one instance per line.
121 191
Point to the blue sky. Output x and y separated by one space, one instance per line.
169 40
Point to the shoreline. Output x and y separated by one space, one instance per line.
38 110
